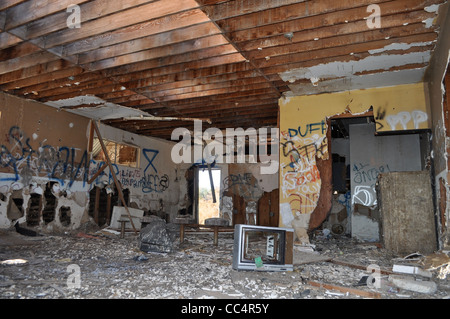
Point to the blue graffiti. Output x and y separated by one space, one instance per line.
58 163
146 152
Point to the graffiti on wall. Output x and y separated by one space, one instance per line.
57 163
244 185
147 180
364 178
299 176
401 120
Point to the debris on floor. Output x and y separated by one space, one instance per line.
102 265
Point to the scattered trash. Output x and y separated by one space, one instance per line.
140 258
409 283
14 262
438 261
412 270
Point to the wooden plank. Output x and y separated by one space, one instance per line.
20 50
8 40
415 33
157 17
236 8
29 11
90 10
151 50
180 91
311 28
233 58
344 53
33 71
324 12
158 61
5 4
111 169
136 32
26 61
353 291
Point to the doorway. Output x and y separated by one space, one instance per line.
208 194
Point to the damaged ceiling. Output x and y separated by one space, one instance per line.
226 62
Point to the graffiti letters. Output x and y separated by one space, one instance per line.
57 163
308 129
300 177
244 185
364 178
403 118
131 178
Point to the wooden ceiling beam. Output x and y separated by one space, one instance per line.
402 34
5 4
309 29
155 59
173 15
213 92
237 83
7 40
151 50
90 10
186 79
26 73
30 60
28 11
351 52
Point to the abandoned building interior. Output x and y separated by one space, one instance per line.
224 149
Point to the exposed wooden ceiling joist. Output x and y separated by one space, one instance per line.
225 60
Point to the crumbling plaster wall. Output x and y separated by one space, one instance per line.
40 145
304 141
441 136
155 185
44 147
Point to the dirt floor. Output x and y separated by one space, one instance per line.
101 265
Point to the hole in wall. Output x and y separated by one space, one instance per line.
15 209
101 203
50 202
34 209
65 216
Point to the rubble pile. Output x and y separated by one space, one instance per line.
102 265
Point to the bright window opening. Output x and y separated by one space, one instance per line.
120 154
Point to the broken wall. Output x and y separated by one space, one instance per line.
46 168
154 185
371 155
304 143
435 77
42 148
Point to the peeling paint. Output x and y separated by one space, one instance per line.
432 8
101 109
400 46
340 69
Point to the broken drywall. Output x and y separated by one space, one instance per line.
99 109
335 70
36 161
303 140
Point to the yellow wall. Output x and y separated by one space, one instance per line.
303 135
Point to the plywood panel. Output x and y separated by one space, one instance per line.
406 206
